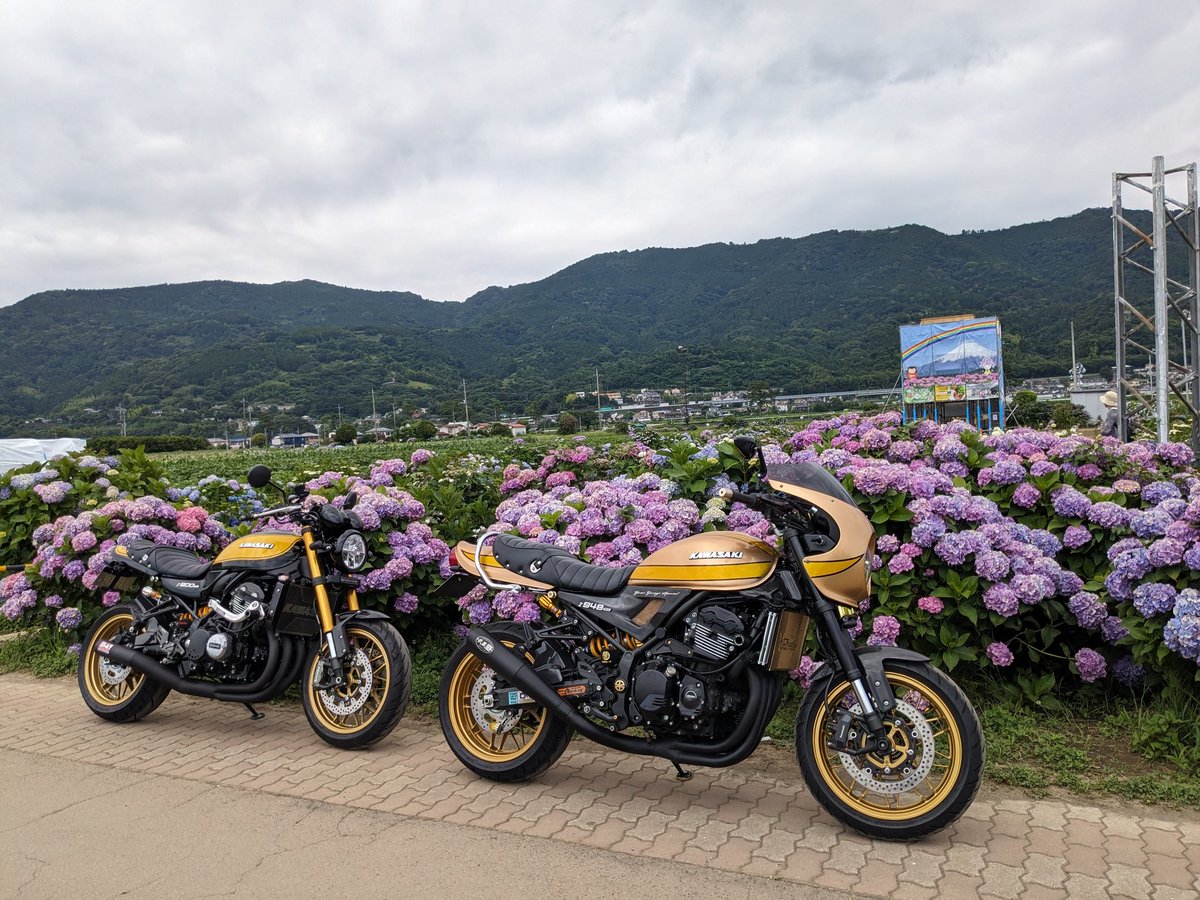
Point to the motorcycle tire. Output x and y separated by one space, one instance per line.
370 704
928 779
495 744
115 693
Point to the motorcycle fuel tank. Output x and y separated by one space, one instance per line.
717 560
261 550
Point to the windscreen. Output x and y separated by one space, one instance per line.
809 476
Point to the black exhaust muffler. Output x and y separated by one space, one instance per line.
734 748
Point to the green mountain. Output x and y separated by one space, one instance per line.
804 314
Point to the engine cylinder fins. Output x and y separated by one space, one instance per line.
600 645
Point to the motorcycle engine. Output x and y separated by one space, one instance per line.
216 649
692 694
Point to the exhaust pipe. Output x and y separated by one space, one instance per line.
265 687
515 669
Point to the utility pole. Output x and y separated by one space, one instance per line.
1074 365
339 415
466 409
374 417
121 413
599 423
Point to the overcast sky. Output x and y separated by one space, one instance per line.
444 147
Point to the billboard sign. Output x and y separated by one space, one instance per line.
951 361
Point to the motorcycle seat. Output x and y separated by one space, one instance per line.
169 562
555 566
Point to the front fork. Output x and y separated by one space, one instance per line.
333 637
875 697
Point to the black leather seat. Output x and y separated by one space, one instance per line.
170 562
556 566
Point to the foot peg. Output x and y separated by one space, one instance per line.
255 715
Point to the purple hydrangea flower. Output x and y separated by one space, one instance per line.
1088 610
1002 600
1076 536
1091 665
931 605
1154 599
1026 496
68 618
884 631
999 654
1126 671
1069 503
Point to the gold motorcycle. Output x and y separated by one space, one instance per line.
685 656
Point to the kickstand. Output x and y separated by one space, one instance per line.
255 715
681 773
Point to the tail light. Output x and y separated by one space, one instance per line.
453 558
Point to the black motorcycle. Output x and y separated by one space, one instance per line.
273 607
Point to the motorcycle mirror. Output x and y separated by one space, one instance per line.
745 445
350 501
259 476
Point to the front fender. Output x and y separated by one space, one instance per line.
872 660
337 637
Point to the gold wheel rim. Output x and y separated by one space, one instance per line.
486 745
925 796
356 721
99 689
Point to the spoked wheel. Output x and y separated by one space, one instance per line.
378 678
500 742
112 691
924 783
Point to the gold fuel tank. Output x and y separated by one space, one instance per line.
715 561
263 549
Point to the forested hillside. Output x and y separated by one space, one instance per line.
804 314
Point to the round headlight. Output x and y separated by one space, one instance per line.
351 550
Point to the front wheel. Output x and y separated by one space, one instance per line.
112 691
502 743
924 783
369 704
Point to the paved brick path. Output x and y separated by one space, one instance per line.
734 819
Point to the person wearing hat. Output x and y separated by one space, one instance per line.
1108 428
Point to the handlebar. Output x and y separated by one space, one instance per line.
730 495
278 511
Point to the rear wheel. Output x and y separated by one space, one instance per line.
501 743
115 692
378 678
924 783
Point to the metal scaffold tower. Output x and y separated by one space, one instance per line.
1154 303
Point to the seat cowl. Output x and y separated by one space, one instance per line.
557 567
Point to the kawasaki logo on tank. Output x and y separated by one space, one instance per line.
716 554
257 545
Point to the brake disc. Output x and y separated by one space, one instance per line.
351 697
917 744
487 717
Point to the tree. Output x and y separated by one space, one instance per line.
567 424
499 429
760 394
345 434
258 440
423 430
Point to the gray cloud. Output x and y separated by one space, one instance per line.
443 147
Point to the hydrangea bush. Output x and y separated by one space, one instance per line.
1046 559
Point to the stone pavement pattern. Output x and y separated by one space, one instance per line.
733 820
